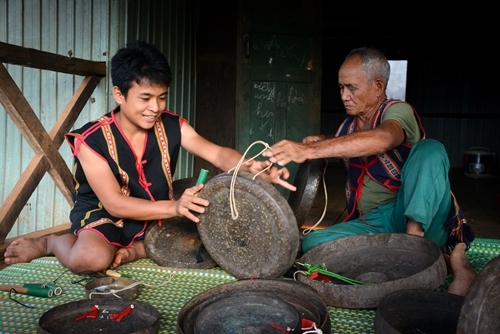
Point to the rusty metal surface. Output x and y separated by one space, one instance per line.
481 311
300 296
177 244
143 318
263 241
307 180
392 261
418 311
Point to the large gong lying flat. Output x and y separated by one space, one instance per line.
254 305
391 261
436 312
143 318
177 244
263 241
307 181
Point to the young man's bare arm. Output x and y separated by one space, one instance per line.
103 183
226 158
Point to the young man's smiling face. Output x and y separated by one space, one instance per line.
142 106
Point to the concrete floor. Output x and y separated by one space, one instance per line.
479 199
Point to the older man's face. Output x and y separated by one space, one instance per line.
359 95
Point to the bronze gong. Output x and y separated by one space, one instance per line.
176 243
307 181
390 261
263 241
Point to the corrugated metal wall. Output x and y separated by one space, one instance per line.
170 26
93 30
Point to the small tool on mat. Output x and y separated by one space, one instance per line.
30 289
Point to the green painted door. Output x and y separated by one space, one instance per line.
278 73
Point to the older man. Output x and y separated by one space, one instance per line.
397 179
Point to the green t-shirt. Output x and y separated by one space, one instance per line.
374 194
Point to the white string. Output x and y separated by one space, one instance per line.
298 272
308 230
232 202
130 286
312 330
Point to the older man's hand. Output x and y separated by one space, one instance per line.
286 151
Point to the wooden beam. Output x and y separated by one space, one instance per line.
19 196
17 55
45 145
73 109
33 131
31 177
57 230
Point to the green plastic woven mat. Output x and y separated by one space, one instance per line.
166 292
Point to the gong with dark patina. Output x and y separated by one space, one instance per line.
307 181
70 318
176 243
433 312
263 241
389 262
257 305
481 311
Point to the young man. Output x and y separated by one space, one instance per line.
397 179
124 164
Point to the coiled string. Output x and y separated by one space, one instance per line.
232 203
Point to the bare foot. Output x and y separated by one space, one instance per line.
26 249
414 228
462 271
124 255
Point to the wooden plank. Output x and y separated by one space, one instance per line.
73 109
17 55
57 230
19 196
33 131
31 177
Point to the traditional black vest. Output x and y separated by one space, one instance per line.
384 168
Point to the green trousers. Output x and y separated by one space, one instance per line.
424 196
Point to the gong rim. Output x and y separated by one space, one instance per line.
143 318
308 304
358 255
263 241
307 181
176 243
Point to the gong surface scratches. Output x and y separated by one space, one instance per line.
177 244
263 241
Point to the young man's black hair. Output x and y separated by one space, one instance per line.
139 62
